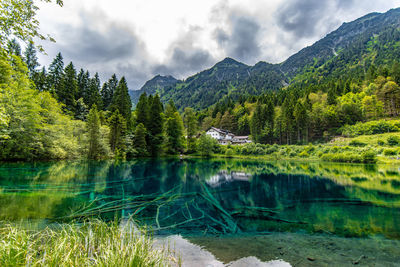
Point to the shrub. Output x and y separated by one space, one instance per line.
343 157
357 143
304 154
369 157
381 142
393 140
390 152
229 153
371 127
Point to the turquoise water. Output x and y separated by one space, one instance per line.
209 197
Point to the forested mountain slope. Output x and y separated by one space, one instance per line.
352 48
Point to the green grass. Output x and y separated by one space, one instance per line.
93 243
378 148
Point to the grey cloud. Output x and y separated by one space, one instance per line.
242 42
185 58
302 17
315 18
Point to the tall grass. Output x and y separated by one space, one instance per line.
94 243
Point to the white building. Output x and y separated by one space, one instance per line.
225 137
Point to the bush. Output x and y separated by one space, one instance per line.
304 154
369 157
381 142
343 157
357 143
229 153
371 127
393 140
390 152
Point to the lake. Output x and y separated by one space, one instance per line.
307 214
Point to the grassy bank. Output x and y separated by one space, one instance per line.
378 148
94 243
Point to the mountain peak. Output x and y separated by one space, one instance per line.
230 61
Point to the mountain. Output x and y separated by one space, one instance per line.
153 86
351 48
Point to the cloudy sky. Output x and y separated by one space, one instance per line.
143 38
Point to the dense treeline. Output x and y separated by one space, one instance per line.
62 113
312 112
360 84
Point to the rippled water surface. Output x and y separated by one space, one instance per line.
222 203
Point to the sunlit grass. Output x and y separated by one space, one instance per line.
93 243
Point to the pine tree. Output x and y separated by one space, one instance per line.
107 91
31 59
301 118
81 110
331 99
83 85
155 126
121 101
40 80
173 129
94 97
191 125
56 74
288 119
69 90
142 110
139 142
93 129
14 48
117 126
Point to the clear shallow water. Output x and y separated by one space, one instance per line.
212 200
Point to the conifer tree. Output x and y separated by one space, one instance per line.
155 126
173 129
56 74
69 90
93 129
14 48
94 91
121 101
142 110
108 90
31 60
83 85
40 79
139 141
191 125
117 126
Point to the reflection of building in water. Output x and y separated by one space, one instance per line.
227 177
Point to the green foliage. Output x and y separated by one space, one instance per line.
371 127
97 147
18 19
357 143
174 134
191 125
32 121
117 126
393 140
155 126
368 156
139 142
121 101
390 152
92 243
229 153
206 145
